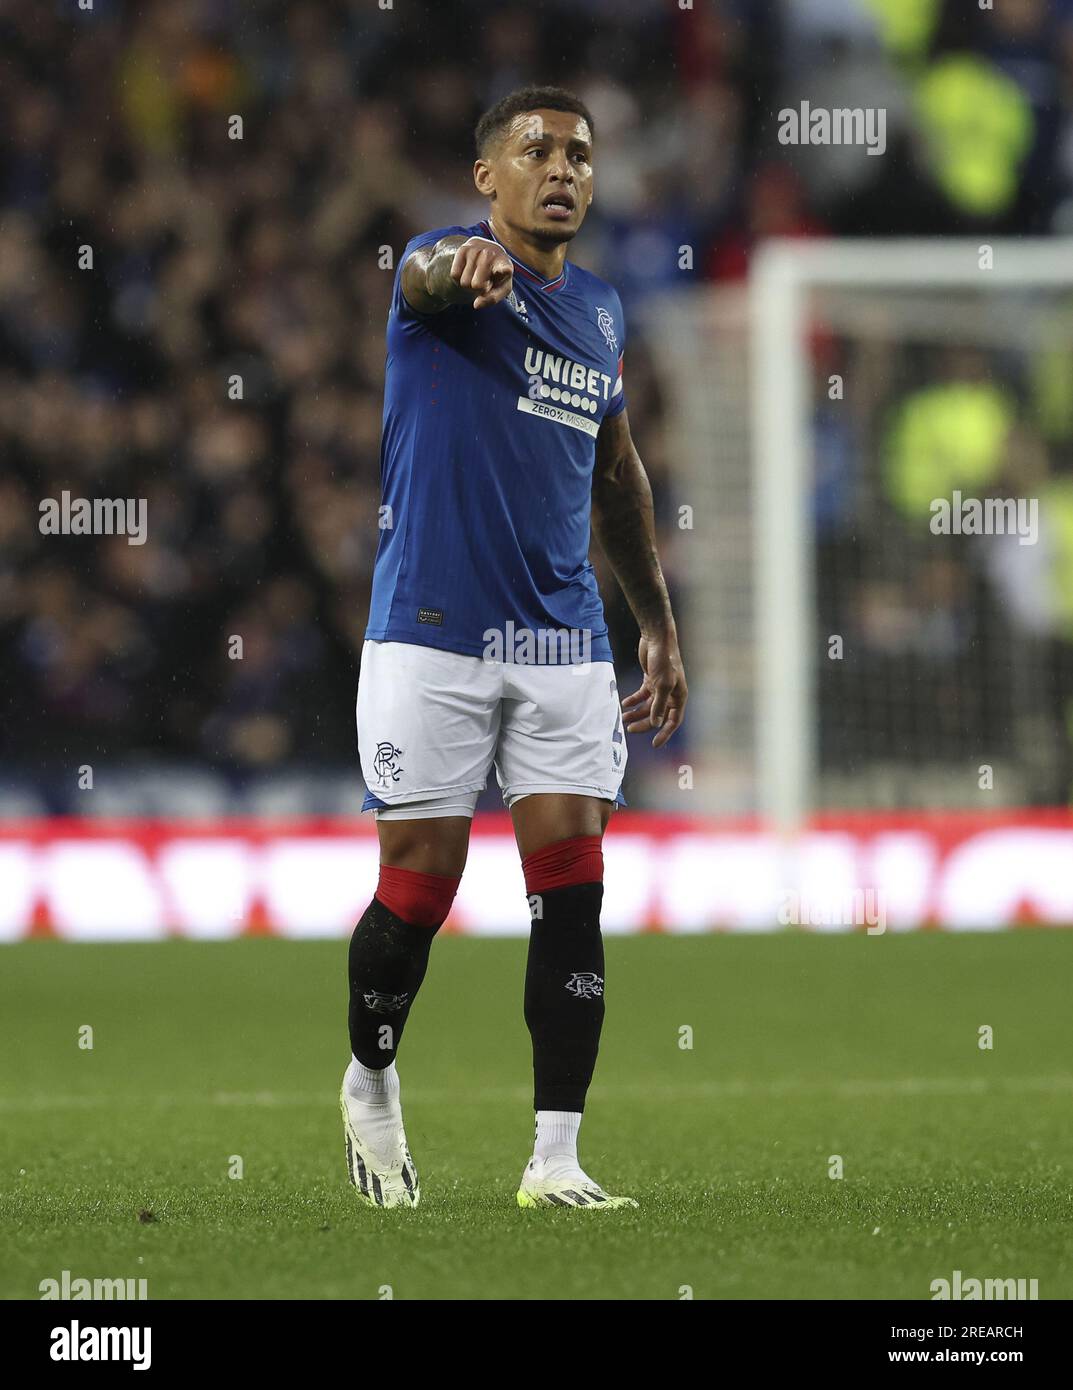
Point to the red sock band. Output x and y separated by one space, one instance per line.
423 900
580 860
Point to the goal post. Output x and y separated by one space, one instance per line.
785 752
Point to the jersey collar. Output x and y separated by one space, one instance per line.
528 271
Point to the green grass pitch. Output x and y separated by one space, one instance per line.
115 1161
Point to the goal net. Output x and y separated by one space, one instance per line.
874 441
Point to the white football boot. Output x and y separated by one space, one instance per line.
560 1182
377 1159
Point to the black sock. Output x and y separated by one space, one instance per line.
564 993
388 959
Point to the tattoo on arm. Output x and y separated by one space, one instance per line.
624 524
426 277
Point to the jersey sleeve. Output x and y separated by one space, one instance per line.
617 403
400 305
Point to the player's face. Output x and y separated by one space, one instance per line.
543 174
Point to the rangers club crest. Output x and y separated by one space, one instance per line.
384 764
380 1003
606 324
585 984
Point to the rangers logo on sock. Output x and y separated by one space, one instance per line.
585 984
380 1003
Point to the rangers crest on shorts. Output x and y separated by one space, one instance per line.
384 764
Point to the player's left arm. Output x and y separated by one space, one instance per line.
624 524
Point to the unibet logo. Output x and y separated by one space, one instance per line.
566 376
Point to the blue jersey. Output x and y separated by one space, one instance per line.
486 461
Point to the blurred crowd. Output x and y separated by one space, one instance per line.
198 319
958 639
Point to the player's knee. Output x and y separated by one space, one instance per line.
563 864
551 818
422 900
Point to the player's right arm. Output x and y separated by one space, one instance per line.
457 270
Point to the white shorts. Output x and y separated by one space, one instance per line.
432 723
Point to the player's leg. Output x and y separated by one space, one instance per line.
440 716
421 863
560 764
559 839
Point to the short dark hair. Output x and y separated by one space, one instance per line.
493 124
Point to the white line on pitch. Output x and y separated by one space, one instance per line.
715 1090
